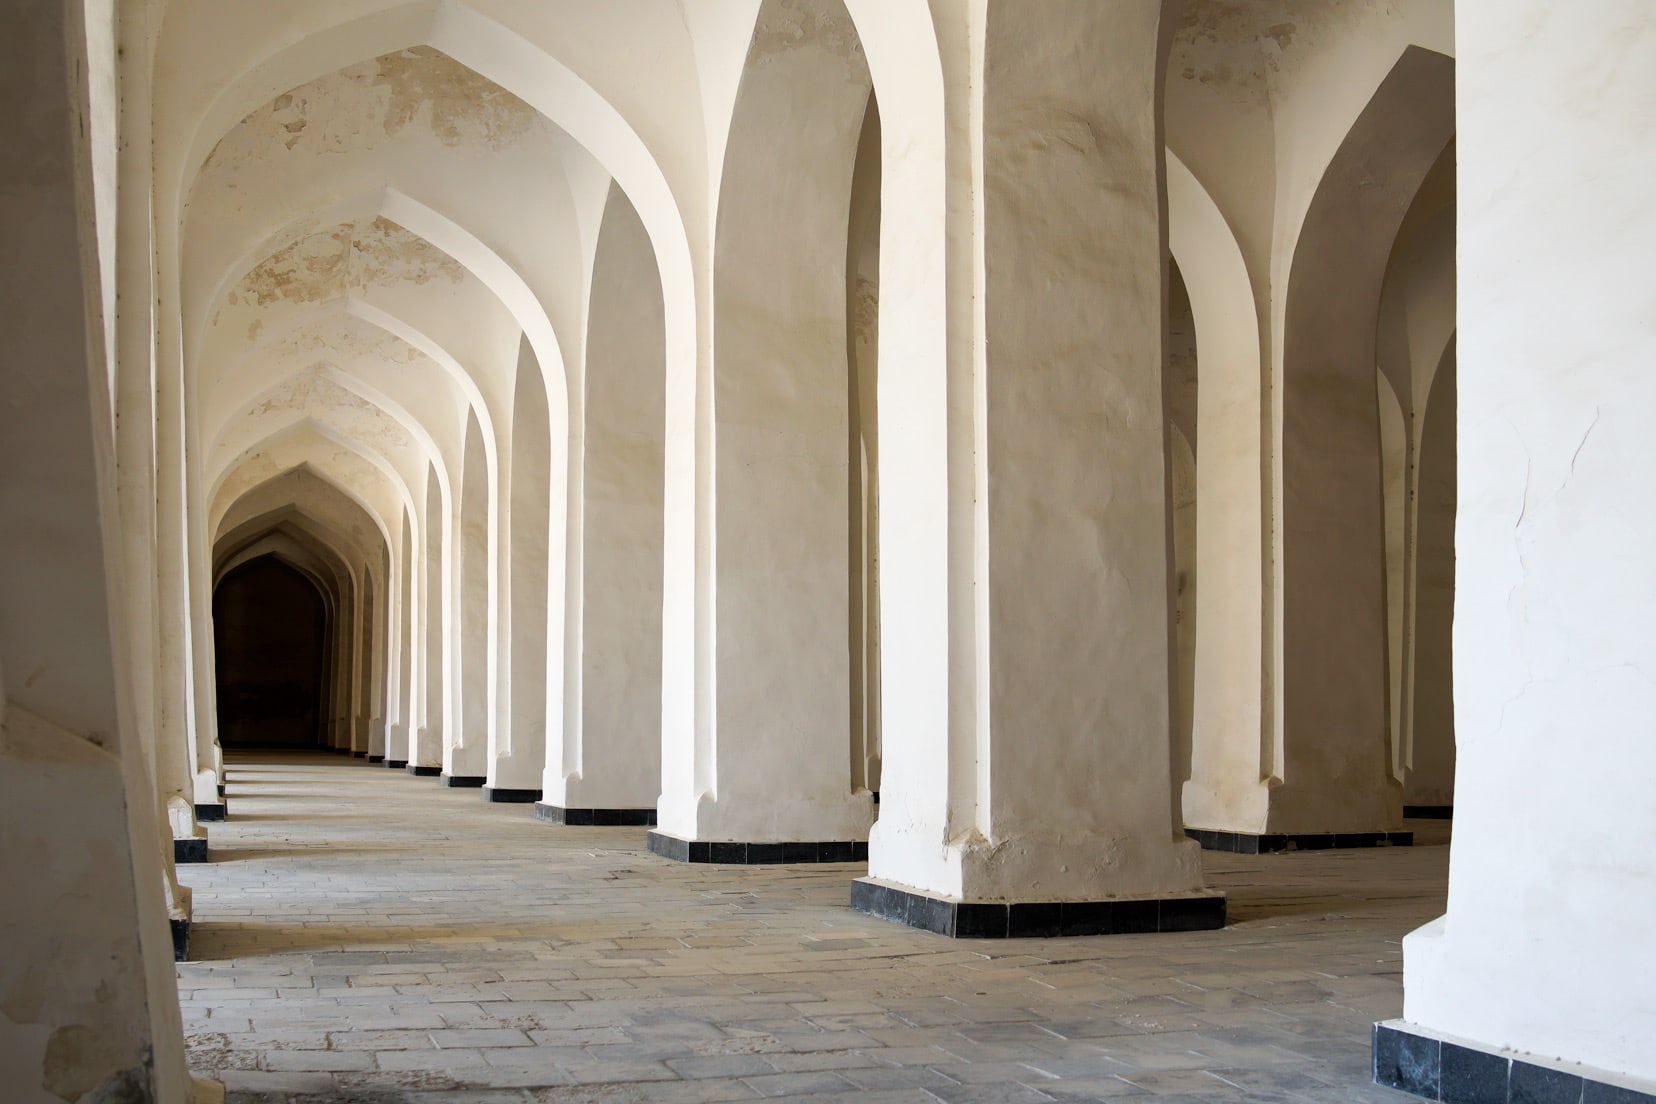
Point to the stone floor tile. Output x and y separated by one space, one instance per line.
326 1061
798 1084
479 1037
720 1065
359 915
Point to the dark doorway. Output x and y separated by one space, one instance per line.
270 633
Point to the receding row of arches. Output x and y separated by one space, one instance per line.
1050 421
526 550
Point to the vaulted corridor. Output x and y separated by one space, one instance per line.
364 934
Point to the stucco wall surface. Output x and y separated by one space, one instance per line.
1545 932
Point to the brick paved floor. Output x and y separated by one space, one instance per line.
363 935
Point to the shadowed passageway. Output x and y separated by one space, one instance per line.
362 934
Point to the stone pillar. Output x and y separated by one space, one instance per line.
208 778
401 731
769 779
465 752
425 754
517 753
91 992
608 769
1532 983
1056 812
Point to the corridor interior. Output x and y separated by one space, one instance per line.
366 935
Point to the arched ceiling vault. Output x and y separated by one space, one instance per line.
421 390
625 88
243 72
312 509
294 546
333 399
416 123
359 473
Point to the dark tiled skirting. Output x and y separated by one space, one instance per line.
463 781
1035 919
419 771
1456 1074
595 818
180 938
192 850
754 854
509 797
1429 812
397 764
360 754
375 760
1248 843
210 812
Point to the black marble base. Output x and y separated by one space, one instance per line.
180 938
192 850
419 771
755 854
499 796
359 754
376 759
1416 1063
1429 812
212 812
1035 919
1271 843
397 764
595 818
462 781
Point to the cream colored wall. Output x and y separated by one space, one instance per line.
1431 777
1552 593
610 756
1260 98
776 700
90 1001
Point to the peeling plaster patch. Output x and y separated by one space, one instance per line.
1241 48
458 104
794 24
77 1057
389 254
361 105
340 341
329 263
327 402
310 269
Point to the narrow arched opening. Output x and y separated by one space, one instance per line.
1179 397
272 640
862 343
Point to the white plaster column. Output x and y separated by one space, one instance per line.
1430 781
1228 693
1327 766
1544 949
774 767
343 636
1057 795
608 766
91 993
519 758
425 754
384 654
400 731
209 757
465 753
